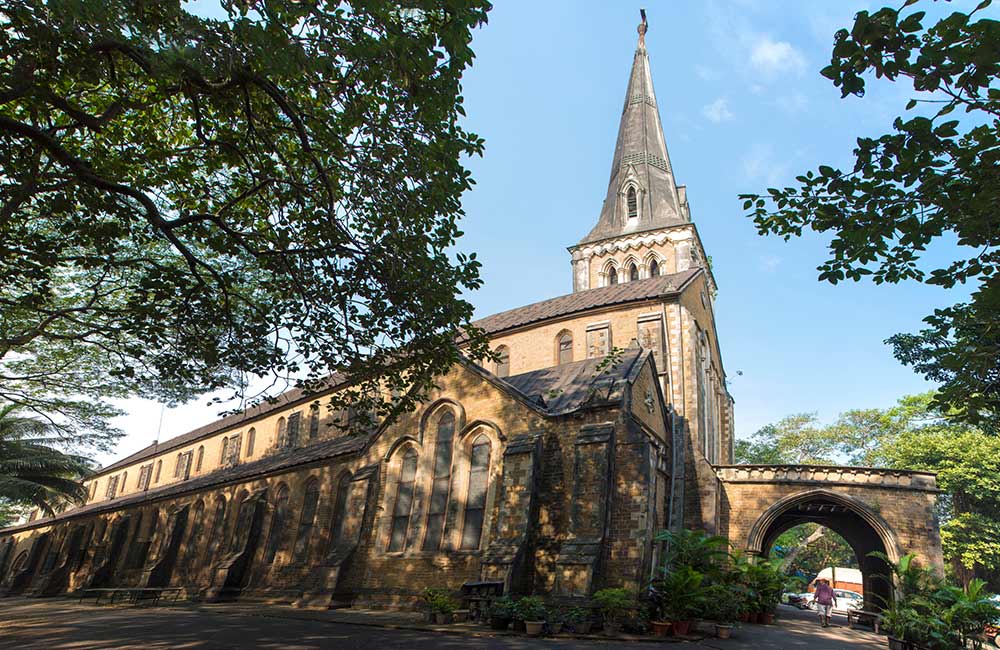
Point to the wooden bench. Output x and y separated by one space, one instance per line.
134 595
864 618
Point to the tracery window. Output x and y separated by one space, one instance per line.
632 202
598 340
277 536
294 422
182 468
230 451
475 501
340 508
281 433
145 473
442 480
112 488
564 351
306 520
404 501
503 361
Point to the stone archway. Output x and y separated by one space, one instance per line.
891 511
863 529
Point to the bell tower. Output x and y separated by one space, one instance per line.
644 228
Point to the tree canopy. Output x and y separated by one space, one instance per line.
192 202
934 178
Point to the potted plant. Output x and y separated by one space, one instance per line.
531 611
578 619
614 603
557 618
680 595
429 596
444 607
722 605
501 613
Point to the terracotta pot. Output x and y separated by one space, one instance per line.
681 627
661 628
723 631
583 627
534 628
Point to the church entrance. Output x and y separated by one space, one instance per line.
863 530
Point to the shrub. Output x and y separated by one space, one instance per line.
529 608
439 601
614 603
502 608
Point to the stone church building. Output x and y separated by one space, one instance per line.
606 420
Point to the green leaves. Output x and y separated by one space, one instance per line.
191 203
927 180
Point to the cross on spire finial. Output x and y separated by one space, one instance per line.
643 26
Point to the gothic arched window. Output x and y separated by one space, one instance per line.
280 433
612 276
159 466
193 546
200 459
218 530
251 437
277 536
340 508
632 202
503 361
124 478
564 348
475 502
404 501
654 269
306 520
442 479
633 272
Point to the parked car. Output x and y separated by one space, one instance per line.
845 600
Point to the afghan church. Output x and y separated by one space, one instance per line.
605 419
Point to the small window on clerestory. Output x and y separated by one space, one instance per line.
565 352
633 273
503 361
612 276
632 203
654 269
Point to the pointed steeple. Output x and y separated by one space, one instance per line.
642 193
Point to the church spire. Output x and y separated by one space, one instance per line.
642 194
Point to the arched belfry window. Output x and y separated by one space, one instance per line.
633 272
404 501
503 361
632 203
475 502
654 269
612 276
442 480
564 348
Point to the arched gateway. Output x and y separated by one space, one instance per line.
887 511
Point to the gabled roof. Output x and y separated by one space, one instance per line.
580 301
284 460
570 387
640 159
281 401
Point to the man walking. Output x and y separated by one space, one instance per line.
825 599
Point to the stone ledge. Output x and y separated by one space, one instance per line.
829 475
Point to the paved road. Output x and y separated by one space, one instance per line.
65 625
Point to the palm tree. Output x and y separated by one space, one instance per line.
32 470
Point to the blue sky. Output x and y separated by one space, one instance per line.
743 108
